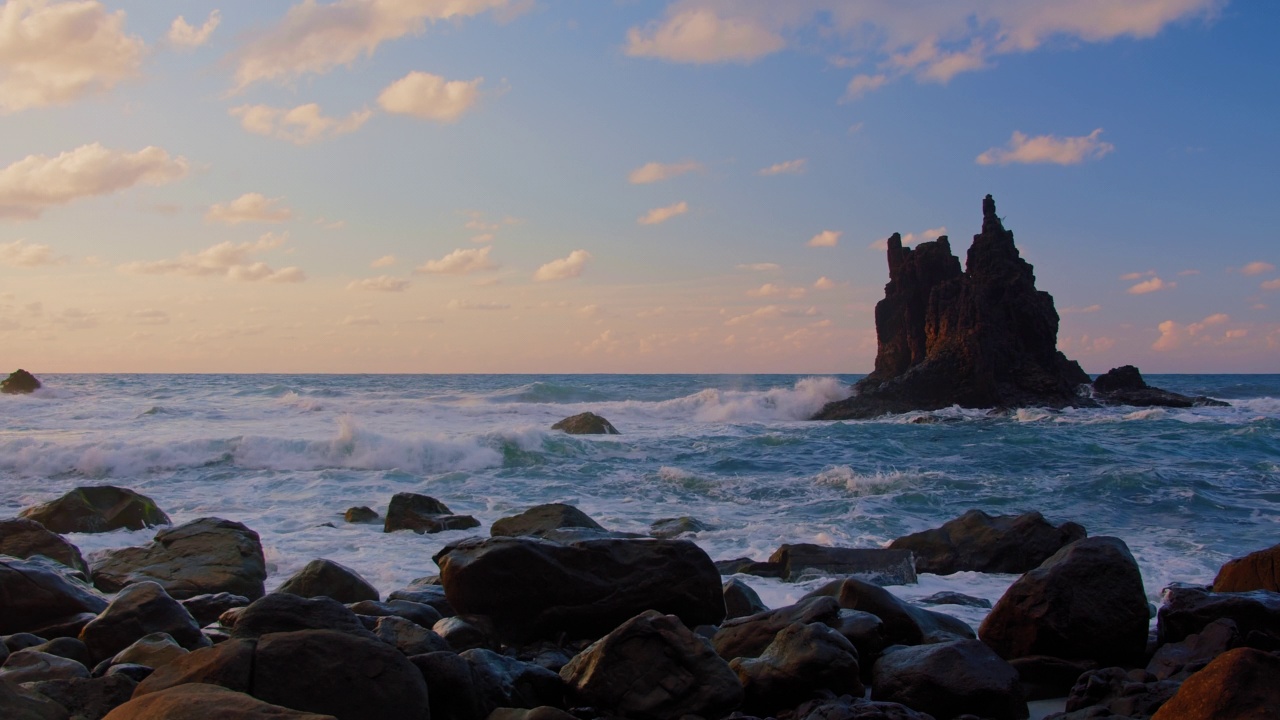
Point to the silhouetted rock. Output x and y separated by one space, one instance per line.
802 662
1256 571
34 594
984 543
537 521
96 509
22 538
740 600
423 514
330 579
586 423
982 338
208 555
950 679
19 382
1124 386
802 561
1188 610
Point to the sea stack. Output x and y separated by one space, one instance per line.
981 338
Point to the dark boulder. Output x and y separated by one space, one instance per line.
1256 571
138 610
1049 677
501 681
90 698
198 701
208 607
67 647
465 633
1124 386
97 509
540 519
35 594
426 593
847 707
749 636
1086 602
31 665
19 382
208 555
747 566
408 637
983 543
950 679
675 527
1188 610
1114 691
22 538
802 662
228 664
586 423
537 589
361 514
1240 683
423 514
947 597
420 613
19 703
740 600
283 612
803 561
330 579
153 651
1179 659
904 623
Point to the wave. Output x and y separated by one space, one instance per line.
800 402
548 393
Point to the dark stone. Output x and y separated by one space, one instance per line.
19 703
538 520
1240 683
955 598
801 662
747 566
69 626
22 538
749 636
544 712
97 509
1188 610
1084 603
851 708
1116 691
67 647
1177 660
420 613
501 681
904 624
423 514
451 686
197 701
950 679
1256 571
740 600
1049 677
980 542
1125 378
461 634
674 527
866 632
208 607
408 637
151 651
31 665
138 610
653 668
1124 386
282 612
208 555
361 514
427 594
984 338
34 594
228 664
89 698
535 589
876 565
24 640
19 382
586 424
136 673
330 579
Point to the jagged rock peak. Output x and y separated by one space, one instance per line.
991 223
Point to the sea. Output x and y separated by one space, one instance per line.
287 454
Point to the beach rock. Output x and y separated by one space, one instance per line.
31 665
950 679
534 589
586 423
1256 571
1124 386
208 607
451 687
283 612
674 527
801 561
136 673
1177 660
540 519
427 594
866 632
361 514
228 664
462 634
653 668
801 662
954 598
423 514
22 641
851 708
67 647
1240 683
1115 691
740 600
19 382
138 610
501 681
1049 677
983 543
1188 610
408 637
420 613
544 712
330 579
982 338
19 703
34 594
208 555
22 538
904 624
197 701
748 637
1086 602
152 650
88 698
97 509
747 566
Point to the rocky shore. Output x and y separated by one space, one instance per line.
552 617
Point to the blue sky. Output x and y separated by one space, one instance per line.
630 186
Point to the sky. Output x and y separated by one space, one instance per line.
566 186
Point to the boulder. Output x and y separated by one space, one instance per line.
22 641
208 607
748 637
228 664
802 561
420 613
540 519
586 423
1124 386
208 555
537 589
801 662
460 633
675 527
31 665
544 712
87 698
138 610
19 382
330 579
1049 677
97 509
950 679
1240 683
501 681
283 612
747 566
153 651
1177 660
34 594
1188 610
1115 691
67 647
982 338
653 668
197 701
427 594
980 542
361 514
850 708
408 637
904 624
19 703
22 538
423 514
740 600
866 632
946 597
1256 571
1086 602
451 687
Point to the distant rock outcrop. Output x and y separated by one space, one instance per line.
19 382
1124 386
587 423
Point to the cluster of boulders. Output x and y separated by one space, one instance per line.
554 617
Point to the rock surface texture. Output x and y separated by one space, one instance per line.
208 555
96 509
19 382
983 543
587 423
1256 571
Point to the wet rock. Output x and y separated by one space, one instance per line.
1115 691
423 514
451 687
31 665
34 594
207 608
330 579
97 509
153 651
1188 610
586 423
1049 677
851 708
408 637
866 632
361 514
502 681
1256 571
747 566
22 641
19 382
950 679
1177 660
427 594
1124 386
740 600
801 662
802 561
420 613
1086 602
537 521
955 598
983 543
88 698
69 626
138 610
205 702
904 624
748 637
228 664
208 555
283 612
1240 683
67 647
653 668
22 538
136 673
462 634
19 703
674 527
544 712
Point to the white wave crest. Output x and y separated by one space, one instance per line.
800 402
843 476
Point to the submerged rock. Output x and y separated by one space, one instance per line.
98 509
1124 386
586 423
19 382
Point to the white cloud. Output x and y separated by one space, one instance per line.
826 238
862 84
770 312
1138 275
564 268
233 261
790 167
824 283
1173 335
700 35
760 267
37 182
1081 310
1049 149
382 283
318 37
183 35
1257 267
460 262
21 253
301 125
1150 286
384 261
472 305
250 207
656 172
430 97
771 290
53 53
663 214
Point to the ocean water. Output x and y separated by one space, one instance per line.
287 454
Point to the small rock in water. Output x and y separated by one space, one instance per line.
955 598
361 514
97 509
880 566
673 527
423 514
19 382
586 423
539 520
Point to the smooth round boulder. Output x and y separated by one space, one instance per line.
322 577
97 509
903 623
228 664
153 651
1256 571
802 662
209 607
22 538
540 519
587 423
19 703
420 613
88 698
282 612
740 600
67 647
950 679
748 636
31 665
139 610
1240 684
19 382
196 701
34 594
980 542
207 555
423 514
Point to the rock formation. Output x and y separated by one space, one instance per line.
19 382
1124 386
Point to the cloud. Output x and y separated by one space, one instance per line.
250 207
21 253
1150 286
384 261
1173 335
315 38
37 182
1257 267
826 238
430 97
183 35
471 305
564 268
150 317
760 267
460 262
301 125
1081 310
1047 149
233 261
1271 284
382 283
702 36
770 312
663 214
54 53
771 290
862 84
1138 275
790 167
656 172
824 283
